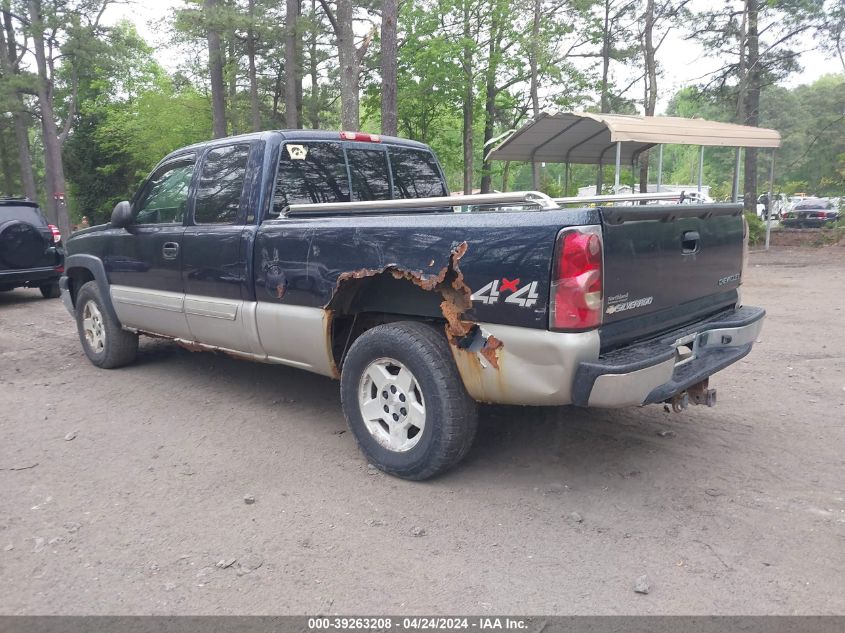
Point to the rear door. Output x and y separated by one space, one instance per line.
144 261
215 248
666 265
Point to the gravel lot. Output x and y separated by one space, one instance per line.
123 491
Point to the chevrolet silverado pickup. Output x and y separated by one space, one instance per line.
343 254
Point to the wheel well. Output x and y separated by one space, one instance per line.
76 278
361 304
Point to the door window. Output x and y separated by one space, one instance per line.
310 173
221 185
370 176
165 196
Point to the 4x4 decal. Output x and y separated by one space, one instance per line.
524 297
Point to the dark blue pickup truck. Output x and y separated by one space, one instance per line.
342 254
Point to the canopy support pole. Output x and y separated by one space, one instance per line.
566 179
599 177
735 195
618 166
700 167
659 166
770 203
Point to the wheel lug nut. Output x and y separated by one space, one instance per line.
392 389
384 394
395 418
403 411
386 409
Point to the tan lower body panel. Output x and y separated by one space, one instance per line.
536 367
261 331
157 311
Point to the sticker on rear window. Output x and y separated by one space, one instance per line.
297 152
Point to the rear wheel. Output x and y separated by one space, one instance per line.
104 342
50 291
405 402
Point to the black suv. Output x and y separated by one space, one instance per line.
31 253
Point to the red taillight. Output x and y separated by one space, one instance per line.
360 136
576 292
57 236
60 269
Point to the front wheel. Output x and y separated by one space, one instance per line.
405 402
104 342
50 291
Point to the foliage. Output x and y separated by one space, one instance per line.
124 112
756 228
131 115
812 126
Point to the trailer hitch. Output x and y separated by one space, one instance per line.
699 393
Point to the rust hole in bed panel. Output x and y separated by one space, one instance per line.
457 299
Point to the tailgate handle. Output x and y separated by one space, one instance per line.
689 242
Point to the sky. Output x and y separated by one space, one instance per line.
682 62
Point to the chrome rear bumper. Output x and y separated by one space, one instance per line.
656 370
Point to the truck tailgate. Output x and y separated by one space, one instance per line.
667 265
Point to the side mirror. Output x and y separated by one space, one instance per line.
121 216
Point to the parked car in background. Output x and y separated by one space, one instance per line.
811 213
31 253
778 208
697 197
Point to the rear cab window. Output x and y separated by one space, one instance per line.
370 174
312 172
416 174
23 212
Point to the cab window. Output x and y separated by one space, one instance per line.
415 174
370 175
221 184
310 173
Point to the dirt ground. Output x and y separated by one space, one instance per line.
122 491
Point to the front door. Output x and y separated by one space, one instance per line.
144 263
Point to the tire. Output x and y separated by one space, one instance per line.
434 396
50 291
104 342
21 244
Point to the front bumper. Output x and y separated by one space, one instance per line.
655 370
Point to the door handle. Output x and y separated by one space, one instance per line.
170 250
689 242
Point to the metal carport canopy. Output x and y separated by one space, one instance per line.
588 138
